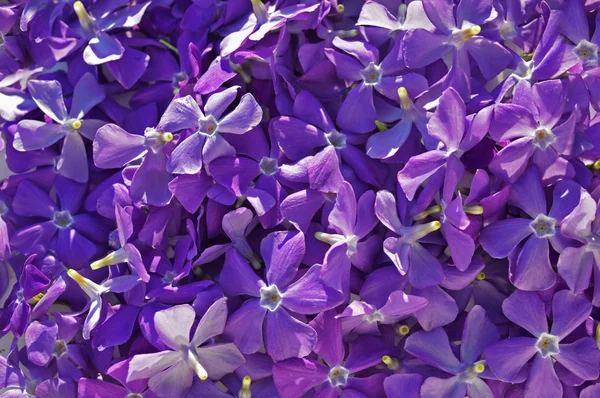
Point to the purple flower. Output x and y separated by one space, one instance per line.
115 148
170 373
206 143
336 377
32 134
579 358
533 122
530 266
406 252
434 348
272 301
96 308
360 63
72 234
457 33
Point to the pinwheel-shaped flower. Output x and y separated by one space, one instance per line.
70 233
262 21
127 253
94 291
48 95
576 264
405 16
531 268
457 33
360 63
449 126
532 120
295 377
407 254
271 302
171 373
115 147
363 318
581 358
102 47
434 349
206 143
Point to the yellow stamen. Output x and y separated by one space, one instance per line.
598 335
391 363
381 126
473 209
196 365
470 32
340 8
91 288
481 276
597 164
245 390
405 101
166 137
479 368
116 257
403 330
427 212
76 124
85 19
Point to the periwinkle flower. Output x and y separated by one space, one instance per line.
580 358
336 377
94 291
72 234
360 63
457 33
268 309
434 348
114 148
101 46
406 252
206 143
48 95
532 121
531 268
170 373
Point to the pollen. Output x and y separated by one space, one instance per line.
403 330
245 390
479 368
391 363
76 124
472 31
405 101
340 8
166 137
481 276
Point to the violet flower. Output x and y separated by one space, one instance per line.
530 266
360 63
171 373
457 33
407 254
48 96
336 377
102 47
434 349
206 143
268 311
73 235
115 148
580 358
94 291
532 121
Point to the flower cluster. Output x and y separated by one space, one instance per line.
300 198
